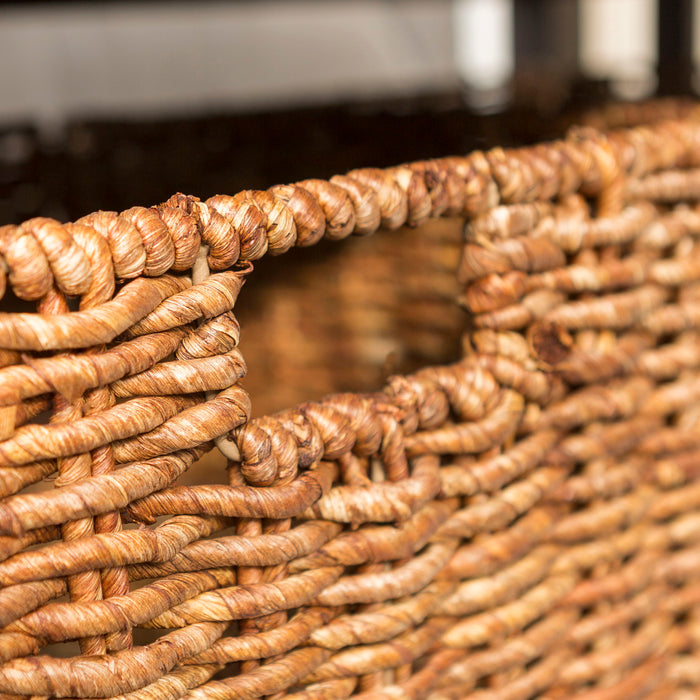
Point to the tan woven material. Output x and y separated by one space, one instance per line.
515 514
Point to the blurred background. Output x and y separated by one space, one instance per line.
109 104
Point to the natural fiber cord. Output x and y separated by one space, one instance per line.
515 515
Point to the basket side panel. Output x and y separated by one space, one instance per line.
522 522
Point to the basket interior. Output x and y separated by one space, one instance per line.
345 315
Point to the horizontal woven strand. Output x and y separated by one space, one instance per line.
383 624
106 550
60 621
265 550
528 646
83 329
105 676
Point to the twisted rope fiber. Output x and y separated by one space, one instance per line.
523 521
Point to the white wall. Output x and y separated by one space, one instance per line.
58 61
618 41
98 58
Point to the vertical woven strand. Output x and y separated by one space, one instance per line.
85 586
115 581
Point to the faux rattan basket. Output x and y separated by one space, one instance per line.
515 514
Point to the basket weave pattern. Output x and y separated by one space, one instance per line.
523 522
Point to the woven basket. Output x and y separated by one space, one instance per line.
515 514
